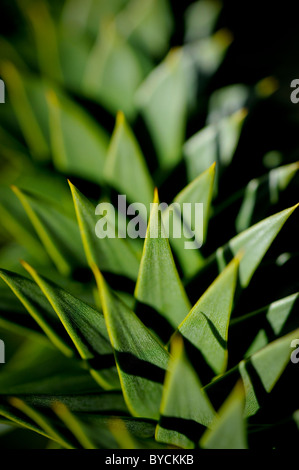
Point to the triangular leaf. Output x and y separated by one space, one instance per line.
266 323
39 308
78 144
259 373
113 72
265 368
229 429
109 254
198 191
125 168
158 283
163 98
260 192
140 358
214 143
57 230
206 326
255 241
185 408
86 328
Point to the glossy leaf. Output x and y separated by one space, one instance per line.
214 143
38 307
141 360
266 365
259 372
158 283
86 328
57 230
229 429
206 326
125 167
185 408
255 241
163 101
254 200
198 191
265 324
112 254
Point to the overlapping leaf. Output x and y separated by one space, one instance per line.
85 326
185 408
125 168
229 430
109 253
158 283
141 360
56 229
206 326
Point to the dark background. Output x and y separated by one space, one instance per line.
266 43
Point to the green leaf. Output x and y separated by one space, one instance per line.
13 316
104 429
158 283
148 26
128 436
28 102
57 230
85 16
206 326
296 418
125 167
198 191
141 360
207 53
254 242
17 224
122 436
74 425
104 403
214 143
113 72
86 328
265 367
75 135
45 35
20 420
183 403
42 421
38 369
267 322
259 192
163 101
260 372
227 101
38 307
229 429
109 254
74 51
200 19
